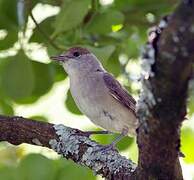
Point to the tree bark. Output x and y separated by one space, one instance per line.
70 143
164 103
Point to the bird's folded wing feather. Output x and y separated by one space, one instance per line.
119 93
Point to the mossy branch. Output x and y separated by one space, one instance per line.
70 143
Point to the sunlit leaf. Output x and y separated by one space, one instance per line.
102 23
133 152
8 155
106 139
125 143
187 137
191 104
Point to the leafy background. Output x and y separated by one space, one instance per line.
33 86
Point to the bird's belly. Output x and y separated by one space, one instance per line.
88 99
88 106
106 114
102 109
97 114
114 121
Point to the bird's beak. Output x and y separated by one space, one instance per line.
59 58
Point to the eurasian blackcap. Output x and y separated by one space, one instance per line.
98 94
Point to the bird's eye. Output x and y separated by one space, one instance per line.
76 54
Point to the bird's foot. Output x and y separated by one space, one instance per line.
89 133
106 148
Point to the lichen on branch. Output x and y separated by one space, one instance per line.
70 143
162 106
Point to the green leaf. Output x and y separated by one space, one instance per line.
187 137
67 170
109 138
9 40
44 78
8 18
36 167
46 26
27 100
5 108
51 2
102 53
191 102
70 103
39 118
146 6
132 44
125 143
8 22
71 15
17 77
51 50
60 74
102 22
113 64
9 173
133 152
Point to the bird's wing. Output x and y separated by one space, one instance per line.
119 93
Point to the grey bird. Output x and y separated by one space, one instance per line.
98 94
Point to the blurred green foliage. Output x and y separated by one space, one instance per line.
38 167
9 23
109 31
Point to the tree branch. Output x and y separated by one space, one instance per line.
44 34
162 106
161 110
70 143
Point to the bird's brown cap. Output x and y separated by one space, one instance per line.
71 53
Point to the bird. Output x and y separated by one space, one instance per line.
98 94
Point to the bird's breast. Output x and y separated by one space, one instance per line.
88 95
93 99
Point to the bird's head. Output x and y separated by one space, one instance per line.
78 60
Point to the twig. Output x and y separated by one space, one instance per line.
43 33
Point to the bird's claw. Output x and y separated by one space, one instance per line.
106 148
89 133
